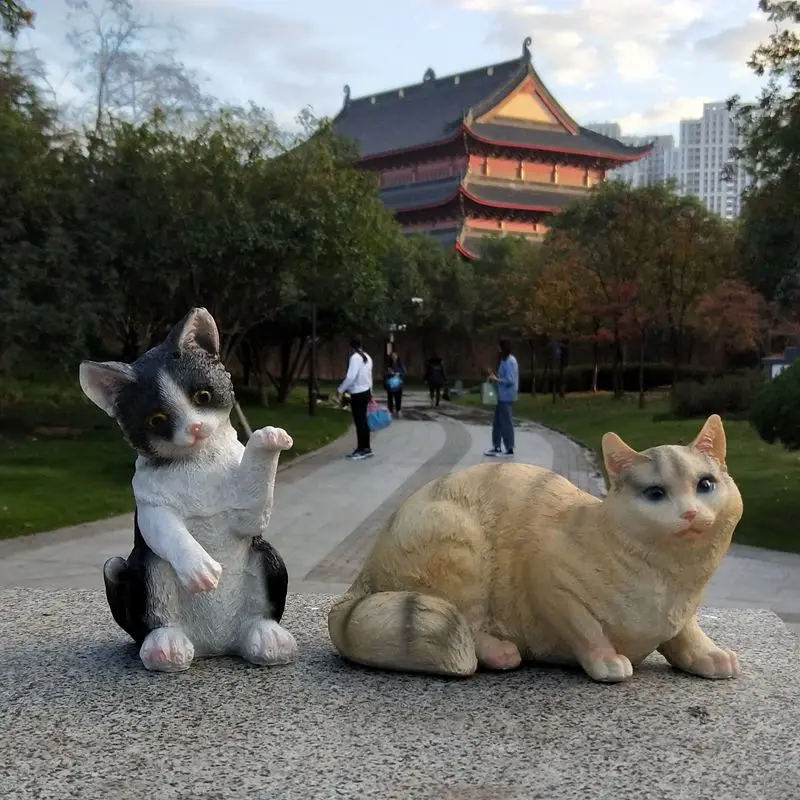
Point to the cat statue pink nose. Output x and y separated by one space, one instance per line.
195 429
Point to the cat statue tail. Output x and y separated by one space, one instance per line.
404 631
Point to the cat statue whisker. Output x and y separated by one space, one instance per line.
201 580
500 563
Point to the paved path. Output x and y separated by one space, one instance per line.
327 511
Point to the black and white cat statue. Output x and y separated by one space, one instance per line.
200 580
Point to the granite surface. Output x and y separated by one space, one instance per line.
81 718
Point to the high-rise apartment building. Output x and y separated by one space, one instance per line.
656 167
704 150
696 163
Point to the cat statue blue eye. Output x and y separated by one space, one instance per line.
200 580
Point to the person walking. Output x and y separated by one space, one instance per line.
358 382
436 378
507 381
393 378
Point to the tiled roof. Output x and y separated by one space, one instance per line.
413 195
505 195
422 114
438 110
586 142
519 196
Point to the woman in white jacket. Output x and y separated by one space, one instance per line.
358 382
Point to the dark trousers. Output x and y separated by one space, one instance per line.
503 426
435 392
358 405
394 399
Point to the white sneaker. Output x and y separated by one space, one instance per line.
493 453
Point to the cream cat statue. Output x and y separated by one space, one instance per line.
500 563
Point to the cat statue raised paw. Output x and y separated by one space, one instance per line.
500 563
200 580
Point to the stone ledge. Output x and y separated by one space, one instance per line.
83 719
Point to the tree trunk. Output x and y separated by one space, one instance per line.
641 371
130 345
595 365
674 345
312 376
616 368
291 365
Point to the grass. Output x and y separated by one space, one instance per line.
767 475
63 462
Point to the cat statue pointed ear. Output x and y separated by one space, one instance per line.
203 504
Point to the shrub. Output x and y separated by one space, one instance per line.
775 413
579 378
729 394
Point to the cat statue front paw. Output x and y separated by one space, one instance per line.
273 439
199 572
607 667
715 664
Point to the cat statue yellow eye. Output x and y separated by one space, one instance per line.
203 397
158 418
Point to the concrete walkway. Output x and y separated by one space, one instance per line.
328 510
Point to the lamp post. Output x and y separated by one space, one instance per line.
394 327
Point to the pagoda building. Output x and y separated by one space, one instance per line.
480 153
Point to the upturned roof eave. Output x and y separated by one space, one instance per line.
620 158
465 128
462 191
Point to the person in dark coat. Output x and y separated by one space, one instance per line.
393 378
436 378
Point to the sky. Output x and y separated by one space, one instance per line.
643 63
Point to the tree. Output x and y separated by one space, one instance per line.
446 284
328 246
609 234
44 296
692 250
14 16
128 64
731 315
770 152
506 277
133 244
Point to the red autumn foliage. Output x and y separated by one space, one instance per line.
733 314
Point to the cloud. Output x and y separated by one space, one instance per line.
580 38
736 44
662 114
635 53
635 62
239 51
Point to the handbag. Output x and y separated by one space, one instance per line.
378 416
394 382
488 394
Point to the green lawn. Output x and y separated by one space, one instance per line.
767 475
62 461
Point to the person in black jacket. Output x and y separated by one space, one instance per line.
436 378
393 377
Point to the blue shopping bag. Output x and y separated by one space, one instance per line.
378 416
394 382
